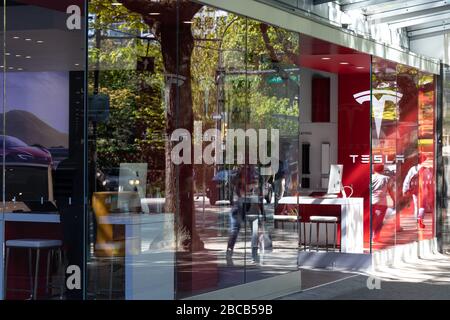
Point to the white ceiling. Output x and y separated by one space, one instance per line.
421 18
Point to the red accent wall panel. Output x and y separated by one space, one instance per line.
320 100
354 139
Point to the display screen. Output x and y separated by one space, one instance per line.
36 117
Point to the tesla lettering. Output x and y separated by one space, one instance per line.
378 158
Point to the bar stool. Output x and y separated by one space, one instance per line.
319 220
285 218
37 245
292 219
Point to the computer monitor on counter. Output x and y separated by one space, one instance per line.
335 180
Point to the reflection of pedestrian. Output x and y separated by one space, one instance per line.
279 182
245 182
381 187
194 178
413 185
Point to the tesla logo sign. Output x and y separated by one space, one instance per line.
378 158
378 104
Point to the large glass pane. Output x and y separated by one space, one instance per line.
218 82
385 165
444 168
2 149
408 200
403 178
271 111
168 182
426 142
134 93
42 148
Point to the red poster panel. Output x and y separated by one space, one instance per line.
354 139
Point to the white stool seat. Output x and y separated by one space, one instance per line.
286 217
323 219
33 243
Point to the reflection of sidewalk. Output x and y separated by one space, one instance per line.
419 279
355 288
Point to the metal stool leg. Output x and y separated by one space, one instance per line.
62 274
326 237
111 280
30 271
304 235
310 235
317 235
49 254
38 252
5 276
335 231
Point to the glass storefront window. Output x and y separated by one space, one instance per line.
214 151
403 178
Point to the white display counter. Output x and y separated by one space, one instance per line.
351 220
149 254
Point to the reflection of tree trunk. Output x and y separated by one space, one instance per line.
179 115
177 44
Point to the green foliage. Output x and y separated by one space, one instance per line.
135 129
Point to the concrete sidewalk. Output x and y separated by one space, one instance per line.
421 279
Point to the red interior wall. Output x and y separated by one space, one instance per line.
354 139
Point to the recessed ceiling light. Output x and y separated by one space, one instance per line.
77 64
20 69
40 41
359 67
7 54
1 66
154 14
27 39
326 58
116 4
18 55
16 37
28 57
344 62
11 68
188 22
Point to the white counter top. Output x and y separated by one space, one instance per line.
50 217
319 200
134 218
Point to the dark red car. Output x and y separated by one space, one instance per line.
15 150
